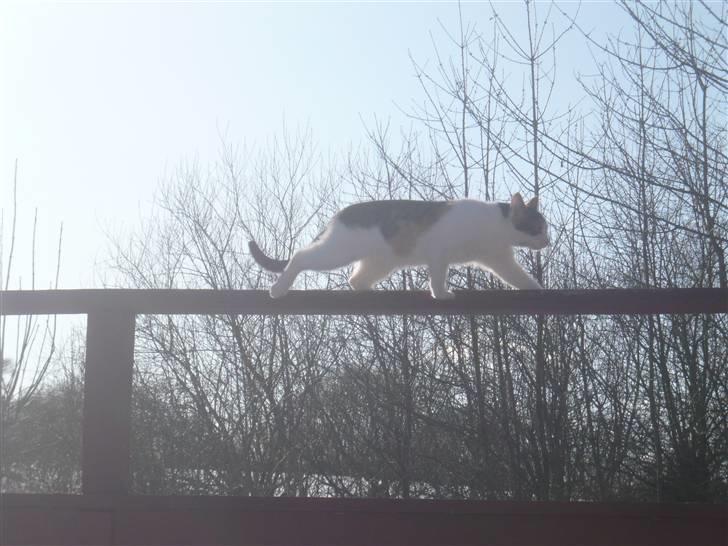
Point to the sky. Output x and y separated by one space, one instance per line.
100 100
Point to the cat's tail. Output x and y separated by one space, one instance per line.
271 264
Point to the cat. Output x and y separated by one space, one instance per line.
384 236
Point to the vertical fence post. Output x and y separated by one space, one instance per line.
107 402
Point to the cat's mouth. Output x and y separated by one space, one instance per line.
536 245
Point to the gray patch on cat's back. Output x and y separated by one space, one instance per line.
401 222
529 221
505 209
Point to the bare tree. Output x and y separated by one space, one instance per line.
31 340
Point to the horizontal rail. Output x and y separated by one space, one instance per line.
325 302
94 519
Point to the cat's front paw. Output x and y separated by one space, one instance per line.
446 295
278 290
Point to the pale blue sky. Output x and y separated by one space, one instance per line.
99 100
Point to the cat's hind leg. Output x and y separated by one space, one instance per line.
367 273
331 252
438 280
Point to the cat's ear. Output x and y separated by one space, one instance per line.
517 201
533 203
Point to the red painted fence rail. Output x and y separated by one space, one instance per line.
106 514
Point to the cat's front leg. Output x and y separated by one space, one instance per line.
438 280
513 274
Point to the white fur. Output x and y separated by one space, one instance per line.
470 232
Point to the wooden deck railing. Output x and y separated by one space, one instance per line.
106 510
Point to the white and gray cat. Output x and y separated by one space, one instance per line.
384 236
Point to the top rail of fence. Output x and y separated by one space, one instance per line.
615 301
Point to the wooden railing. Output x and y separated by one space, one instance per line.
111 318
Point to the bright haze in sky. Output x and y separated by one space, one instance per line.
101 101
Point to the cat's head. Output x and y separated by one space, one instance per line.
531 228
